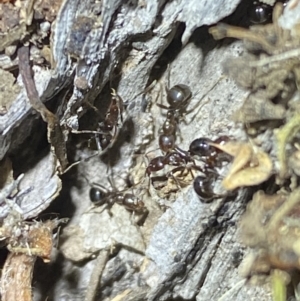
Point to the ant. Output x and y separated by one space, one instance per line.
108 128
212 157
179 158
184 160
203 187
178 98
100 195
175 158
107 131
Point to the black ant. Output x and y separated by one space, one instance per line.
179 158
108 128
213 158
203 187
184 161
107 131
202 148
99 195
175 158
177 97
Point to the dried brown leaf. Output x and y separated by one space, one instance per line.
250 167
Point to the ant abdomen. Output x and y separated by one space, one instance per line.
203 188
178 95
201 147
97 196
130 202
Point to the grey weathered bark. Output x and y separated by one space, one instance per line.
177 253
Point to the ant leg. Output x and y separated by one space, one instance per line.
98 185
132 220
93 209
149 88
205 102
197 113
91 106
173 171
160 96
147 176
142 217
162 106
112 182
197 168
